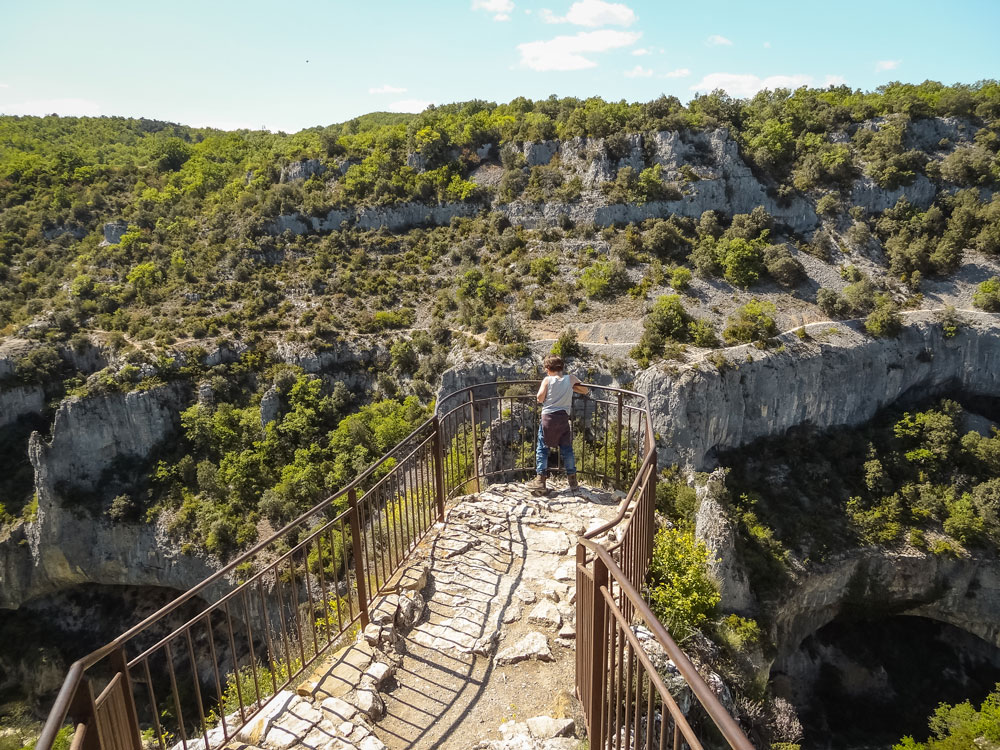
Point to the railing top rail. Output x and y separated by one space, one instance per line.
726 724
534 382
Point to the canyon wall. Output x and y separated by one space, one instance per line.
835 375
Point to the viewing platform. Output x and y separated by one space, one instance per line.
474 648
432 602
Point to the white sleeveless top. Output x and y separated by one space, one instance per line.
559 396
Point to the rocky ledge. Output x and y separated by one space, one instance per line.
828 374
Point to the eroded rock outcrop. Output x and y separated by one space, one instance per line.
964 592
837 375
67 543
20 401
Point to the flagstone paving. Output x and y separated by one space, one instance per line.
474 648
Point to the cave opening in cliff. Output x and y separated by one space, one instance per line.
867 683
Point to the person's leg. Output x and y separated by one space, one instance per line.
569 463
537 485
541 454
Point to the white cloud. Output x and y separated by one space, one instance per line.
833 80
679 73
638 72
593 13
767 45
887 65
744 85
568 52
501 9
387 89
642 51
77 107
717 40
4 85
409 105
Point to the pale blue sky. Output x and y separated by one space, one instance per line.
294 64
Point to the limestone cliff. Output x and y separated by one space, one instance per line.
20 401
65 545
836 375
706 167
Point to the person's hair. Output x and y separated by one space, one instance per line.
552 362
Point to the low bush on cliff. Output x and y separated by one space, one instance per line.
682 594
960 726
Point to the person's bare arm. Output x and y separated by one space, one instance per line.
578 386
543 391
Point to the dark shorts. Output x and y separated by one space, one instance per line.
556 429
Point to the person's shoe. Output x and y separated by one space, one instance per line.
537 485
573 484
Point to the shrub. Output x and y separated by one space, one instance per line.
987 295
752 322
885 320
664 239
959 726
682 594
544 268
742 261
604 279
40 365
680 279
702 334
666 322
782 267
828 205
567 344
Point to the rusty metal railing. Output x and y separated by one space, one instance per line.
197 671
625 698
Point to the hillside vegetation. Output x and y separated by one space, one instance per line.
163 252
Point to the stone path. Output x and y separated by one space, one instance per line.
475 648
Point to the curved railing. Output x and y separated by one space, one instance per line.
199 669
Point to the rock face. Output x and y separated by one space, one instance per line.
838 376
66 545
20 401
713 526
113 232
961 592
301 170
90 433
393 218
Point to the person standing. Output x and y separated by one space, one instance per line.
555 394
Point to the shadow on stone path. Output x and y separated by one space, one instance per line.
474 648
496 642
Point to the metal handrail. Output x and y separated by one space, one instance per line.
726 724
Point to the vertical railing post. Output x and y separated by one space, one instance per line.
119 663
475 438
618 443
598 656
359 559
83 712
438 448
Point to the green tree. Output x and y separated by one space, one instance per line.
682 593
987 295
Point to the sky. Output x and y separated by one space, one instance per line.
299 63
